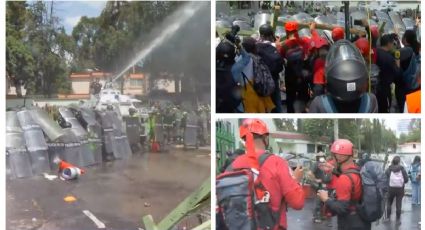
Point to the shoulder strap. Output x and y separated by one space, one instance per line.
328 104
365 103
263 158
348 173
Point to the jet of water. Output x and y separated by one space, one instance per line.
185 13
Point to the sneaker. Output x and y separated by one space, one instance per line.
317 220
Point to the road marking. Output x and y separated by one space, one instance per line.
90 215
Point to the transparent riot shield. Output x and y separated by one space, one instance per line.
191 131
35 143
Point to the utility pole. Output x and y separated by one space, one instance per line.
336 130
347 19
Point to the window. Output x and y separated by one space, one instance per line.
310 148
136 83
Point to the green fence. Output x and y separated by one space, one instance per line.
225 141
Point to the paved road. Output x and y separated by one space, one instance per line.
119 193
302 220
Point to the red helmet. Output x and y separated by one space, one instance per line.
291 26
255 126
363 45
374 31
337 33
342 147
318 42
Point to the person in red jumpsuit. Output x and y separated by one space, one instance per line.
278 179
348 192
295 52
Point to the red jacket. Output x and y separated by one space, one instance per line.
344 193
289 43
276 177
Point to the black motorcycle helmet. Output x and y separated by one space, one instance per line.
225 52
266 31
346 72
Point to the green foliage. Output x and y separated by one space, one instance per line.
366 135
37 50
414 134
316 128
284 124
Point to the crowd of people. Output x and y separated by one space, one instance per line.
255 188
317 74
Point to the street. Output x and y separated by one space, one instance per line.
303 220
117 193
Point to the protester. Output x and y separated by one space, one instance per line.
415 179
347 83
227 90
253 103
319 177
397 177
266 49
348 189
278 188
294 51
389 65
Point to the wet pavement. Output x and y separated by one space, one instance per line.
118 193
303 220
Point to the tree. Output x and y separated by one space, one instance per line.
317 128
284 124
19 61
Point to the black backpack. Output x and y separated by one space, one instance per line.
271 58
374 185
264 84
294 62
237 204
225 86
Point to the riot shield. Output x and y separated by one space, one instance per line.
51 128
19 163
261 19
132 130
120 143
72 151
76 128
191 131
35 143
107 135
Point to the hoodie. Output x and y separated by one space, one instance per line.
397 168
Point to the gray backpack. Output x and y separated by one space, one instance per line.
264 84
374 185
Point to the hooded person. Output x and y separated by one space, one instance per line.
267 50
346 83
228 98
397 177
253 103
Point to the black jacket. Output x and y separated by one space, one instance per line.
397 168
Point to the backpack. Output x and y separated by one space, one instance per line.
237 203
263 81
414 170
271 58
396 179
226 102
295 61
410 75
329 106
374 184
